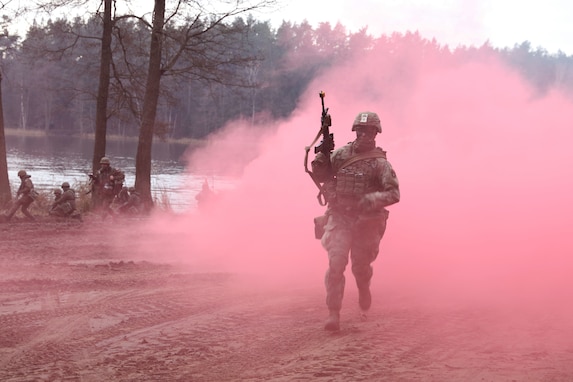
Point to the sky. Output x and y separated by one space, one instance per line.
503 23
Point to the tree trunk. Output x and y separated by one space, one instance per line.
150 99
23 105
5 191
103 92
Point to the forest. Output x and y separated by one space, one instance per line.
243 69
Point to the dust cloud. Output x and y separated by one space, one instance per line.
484 164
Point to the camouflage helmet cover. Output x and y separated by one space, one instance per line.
104 160
367 118
22 173
65 185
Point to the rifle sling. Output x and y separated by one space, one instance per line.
359 157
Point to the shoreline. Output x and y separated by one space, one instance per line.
111 137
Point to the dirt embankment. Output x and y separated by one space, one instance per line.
75 307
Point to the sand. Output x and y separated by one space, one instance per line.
75 307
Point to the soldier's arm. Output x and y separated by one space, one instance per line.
65 197
56 201
321 168
390 186
389 192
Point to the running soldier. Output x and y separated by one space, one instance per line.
24 196
359 183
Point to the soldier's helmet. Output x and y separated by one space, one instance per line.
65 185
104 160
22 173
367 118
57 191
131 189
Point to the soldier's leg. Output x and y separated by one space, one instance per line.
67 209
57 211
365 249
336 240
362 270
13 209
25 209
106 207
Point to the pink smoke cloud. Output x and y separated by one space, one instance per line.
485 171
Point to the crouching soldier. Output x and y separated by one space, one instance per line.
133 205
57 196
65 203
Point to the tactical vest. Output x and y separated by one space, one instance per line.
357 180
357 176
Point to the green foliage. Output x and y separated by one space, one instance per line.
162 202
42 204
83 197
241 69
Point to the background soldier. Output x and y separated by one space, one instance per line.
133 205
57 195
205 196
359 183
122 196
65 204
106 184
25 196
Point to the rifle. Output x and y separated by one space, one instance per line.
325 147
91 183
327 144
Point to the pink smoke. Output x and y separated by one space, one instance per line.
486 179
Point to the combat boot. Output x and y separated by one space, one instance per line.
8 215
364 298
333 321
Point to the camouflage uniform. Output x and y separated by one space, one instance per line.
133 205
65 204
107 183
25 196
357 190
57 195
123 196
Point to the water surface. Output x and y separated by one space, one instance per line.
51 160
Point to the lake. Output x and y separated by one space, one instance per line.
51 160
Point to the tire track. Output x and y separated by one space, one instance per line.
65 330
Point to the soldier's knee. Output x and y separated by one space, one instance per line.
337 264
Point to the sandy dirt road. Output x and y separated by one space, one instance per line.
75 308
